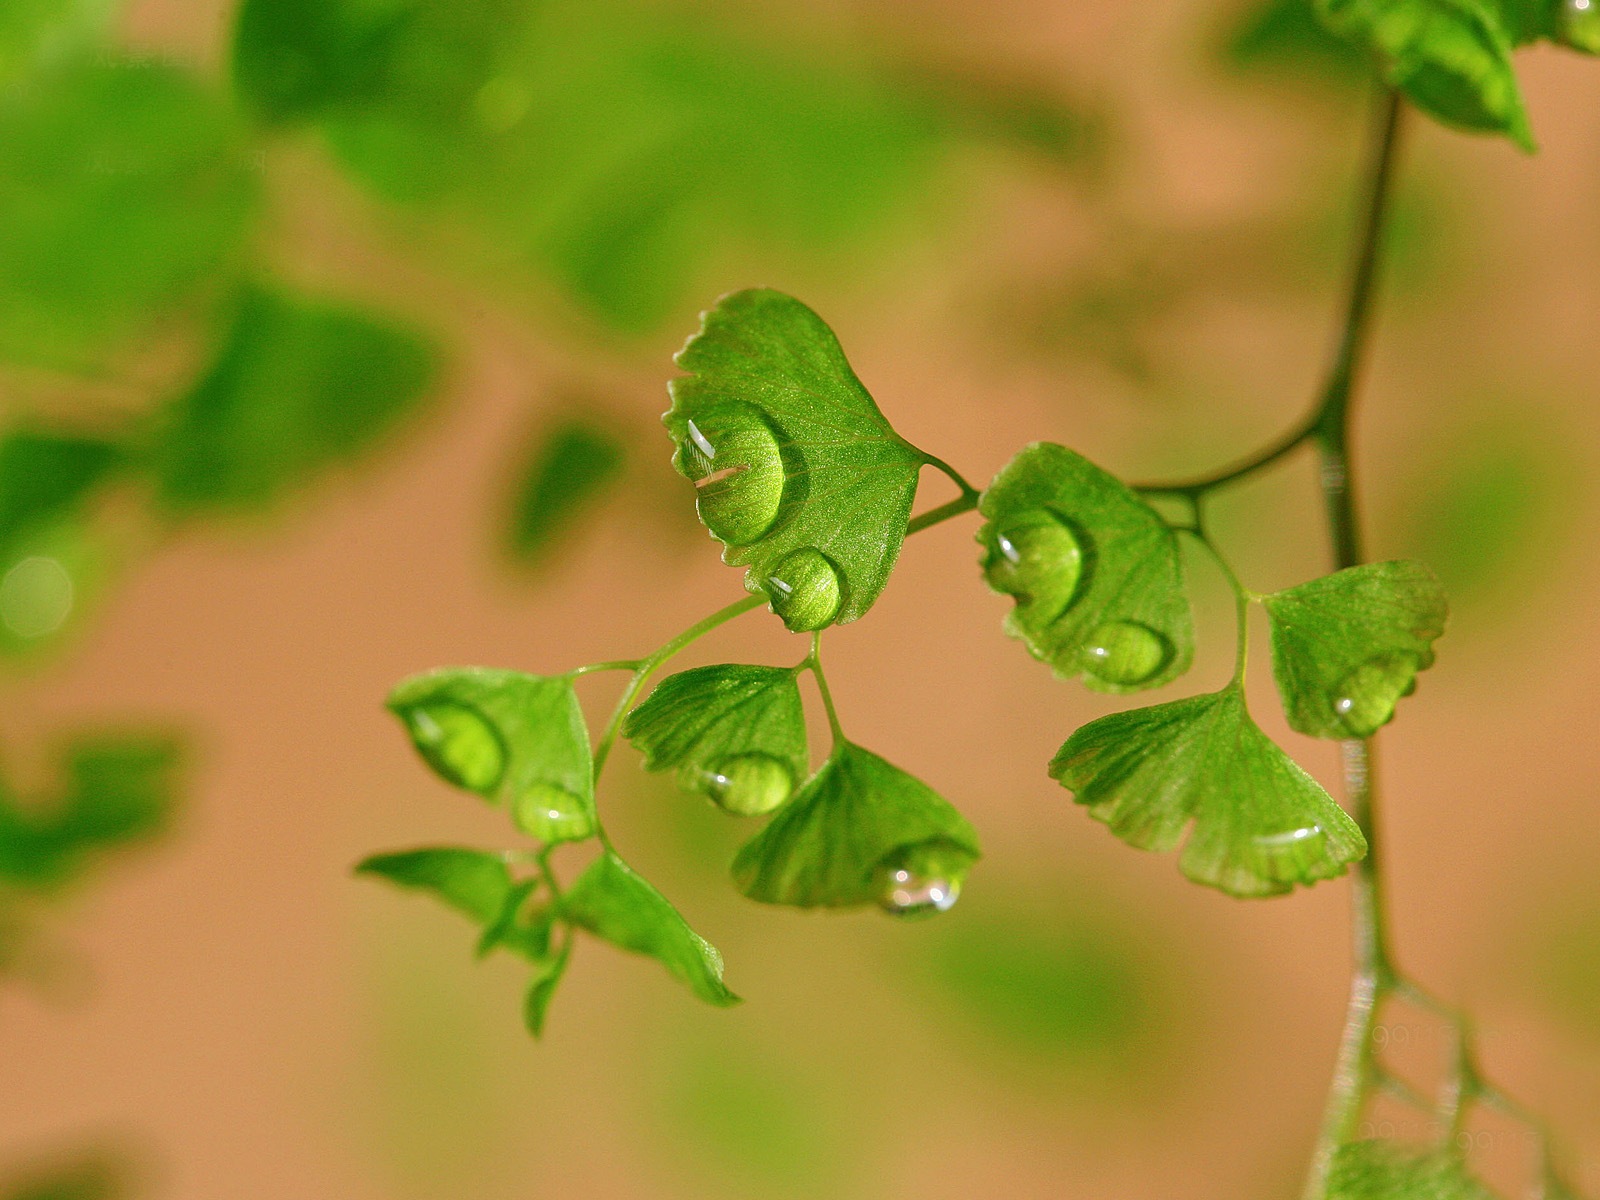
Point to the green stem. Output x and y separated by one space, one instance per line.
1241 600
1330 427
955 476
964 503
813 663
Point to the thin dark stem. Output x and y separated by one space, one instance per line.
963 503
1330 427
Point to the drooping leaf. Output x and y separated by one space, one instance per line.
1260 823
297 387
1452 58
1375 1170
1094 570
800 476
541 990
735 732
570 468
474 882
46 474
144 217
614 902
1285 36
1348 646
116 791
512 738
861 831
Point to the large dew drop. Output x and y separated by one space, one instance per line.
458 743
922 880
732 455
804 589
1126 653
1036 557
552 814
1364 700
1578 22
747 785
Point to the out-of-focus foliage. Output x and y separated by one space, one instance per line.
37 33
297 386
1285 40
92 1177
569 467
146 214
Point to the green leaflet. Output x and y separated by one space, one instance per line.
861 831
1571 23
800 476
570 468
541 990
1094 570
1375 1170
1261 824
512 738
47 474
298 386
138 223
117 790
1452 58
474 882
36 34
613 902
1348 646
1285 37
735 732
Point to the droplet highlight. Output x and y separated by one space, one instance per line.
735 459
458 742
36 597
551 813
1126 653
748 785
805 591
922 880
1038 558
1365 699
1578 23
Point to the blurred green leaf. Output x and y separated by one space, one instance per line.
147 214
1452 58
570 468
1385 1171
96 1177
613 902
735 733
616 147
1348 646
800 476
35 35
1285 38
46 474
1093 569
541 990
514 739
855 826
297 387
1261 824
116 791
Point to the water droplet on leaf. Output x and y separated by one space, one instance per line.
1125 653
1035 556
36 596
458 743
1365 699
732 454
804 589
922 880
747 785
552 814
1578 22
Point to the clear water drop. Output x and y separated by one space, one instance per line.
36 596
458 742
1126 653
1364 700
1038 558
734 457
922 880
748 785
1578 23
551 813
804 589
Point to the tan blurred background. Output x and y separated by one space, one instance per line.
236 1015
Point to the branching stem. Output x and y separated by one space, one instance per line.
813 664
